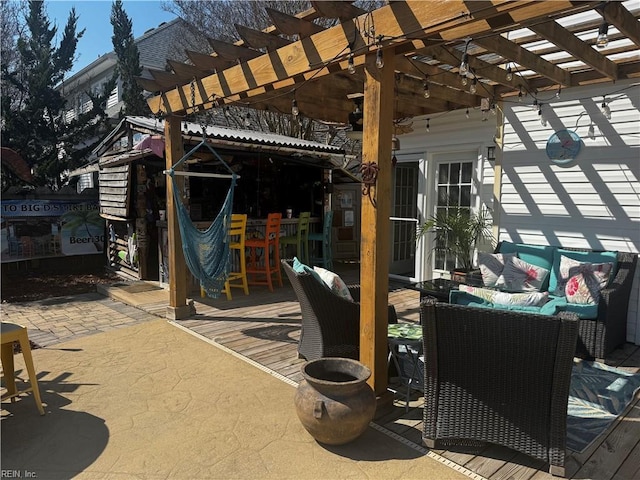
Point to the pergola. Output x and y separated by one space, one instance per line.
408 59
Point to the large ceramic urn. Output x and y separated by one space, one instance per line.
334 402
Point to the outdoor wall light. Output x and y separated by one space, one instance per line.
491 153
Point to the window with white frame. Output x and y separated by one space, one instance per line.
453 191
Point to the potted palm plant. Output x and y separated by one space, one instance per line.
459 231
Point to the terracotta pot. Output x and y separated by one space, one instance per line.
334 402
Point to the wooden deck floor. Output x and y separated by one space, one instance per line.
265 327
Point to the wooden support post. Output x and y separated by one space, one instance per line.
375 223
497 174
178 307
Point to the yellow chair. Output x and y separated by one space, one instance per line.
269 264
300 240
9 333
237 232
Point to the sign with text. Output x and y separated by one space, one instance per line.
40 228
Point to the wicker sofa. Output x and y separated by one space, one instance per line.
603 326
330 323
497 376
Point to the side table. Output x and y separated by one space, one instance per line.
405 350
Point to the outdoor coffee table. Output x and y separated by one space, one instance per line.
438 288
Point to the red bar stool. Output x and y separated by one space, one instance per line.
9 333
269 262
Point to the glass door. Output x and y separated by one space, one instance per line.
404 221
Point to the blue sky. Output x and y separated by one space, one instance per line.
94 16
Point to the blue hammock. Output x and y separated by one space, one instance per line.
206 252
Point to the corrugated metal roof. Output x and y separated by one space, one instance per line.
236 135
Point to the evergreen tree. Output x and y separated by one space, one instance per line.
32 123
128 62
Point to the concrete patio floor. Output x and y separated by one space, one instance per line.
149 400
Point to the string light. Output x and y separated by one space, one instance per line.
603 38
464 65
426 93
351 65
520 94
591 133
543 120
466 114
464 81
559 91
493 109
509 74
606 111
474 86
428 127
247 121
295 111
535 104
379 59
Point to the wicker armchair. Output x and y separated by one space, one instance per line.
330 323
497 377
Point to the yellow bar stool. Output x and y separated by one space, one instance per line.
237 234
9 333
300 240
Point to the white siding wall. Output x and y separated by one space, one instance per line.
592 202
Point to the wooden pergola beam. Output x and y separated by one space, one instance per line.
232 52
186 70
168 80
342 10
522 56
208 62
257 39
558 35
290 25
397 20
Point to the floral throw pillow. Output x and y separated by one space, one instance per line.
521 276
491 267
484 293
528 299
582 282
334 282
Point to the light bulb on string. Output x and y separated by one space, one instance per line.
606 110
602 39
295 111
464 81
559 91
351 65
543 120
509 75
474 86
520 94
426 93
428 126
464 64
379 59
534 106
591 133
247 121
494 110
466 114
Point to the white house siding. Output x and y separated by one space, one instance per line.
592 202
